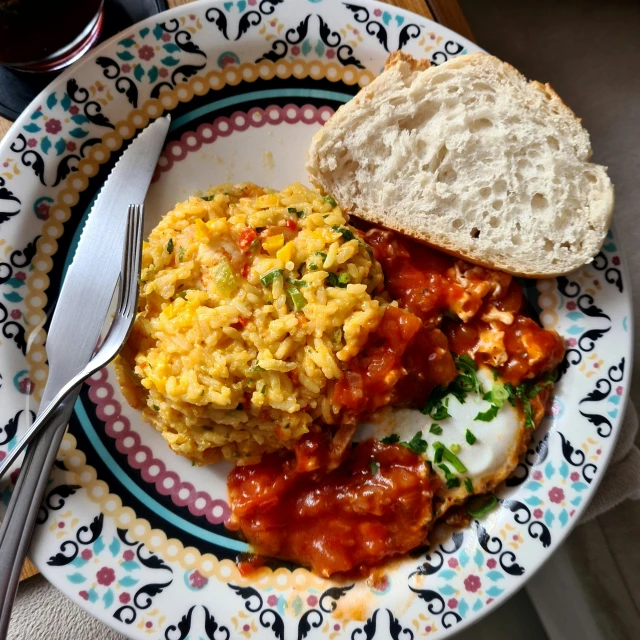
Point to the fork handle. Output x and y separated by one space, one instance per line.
42 421
19 520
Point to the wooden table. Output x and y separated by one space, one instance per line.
446 12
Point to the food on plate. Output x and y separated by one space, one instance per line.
462 348
269 328
252 302
362 383
471 158
365 383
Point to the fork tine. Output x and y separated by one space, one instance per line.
135 258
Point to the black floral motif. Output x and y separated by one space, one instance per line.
9 203
295 35
19 259
368 630
611 274
212 629
143 597
182 39
55 500
449 50
272 620
585 302
602 391
375 28
10 429
249 19
87 535
29 157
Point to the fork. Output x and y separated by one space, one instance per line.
118 331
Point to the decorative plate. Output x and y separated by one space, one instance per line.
131 531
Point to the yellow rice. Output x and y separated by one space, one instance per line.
217 389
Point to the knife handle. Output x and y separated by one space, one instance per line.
19 520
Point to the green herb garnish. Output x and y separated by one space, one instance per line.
170 246
292 210
450 479
347 234
449 456
208 198
469 437
436 429
393 438
297 283
455 448
374 467
468 485
417 444
295 298
270 276
334 280
155 407
181 252
331 201
485 505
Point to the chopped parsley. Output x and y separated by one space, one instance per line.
498 395
335 280
469 437
170 246
441 410
312 265
155 407
331 201
550 378
292 210
465 382
436 429
209 198
468 485
393 438
181 252
442 453
374 467
489 414
449 478
256 368
417 444
347 234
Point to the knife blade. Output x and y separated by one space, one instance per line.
81 309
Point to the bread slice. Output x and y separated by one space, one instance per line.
471 158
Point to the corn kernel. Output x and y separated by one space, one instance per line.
272 244
286 253
267 200
202 231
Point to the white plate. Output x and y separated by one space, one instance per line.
131 531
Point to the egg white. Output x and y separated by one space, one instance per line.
489 460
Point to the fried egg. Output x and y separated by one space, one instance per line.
489 460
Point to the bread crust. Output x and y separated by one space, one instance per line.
408 65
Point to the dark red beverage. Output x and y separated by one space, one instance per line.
45 35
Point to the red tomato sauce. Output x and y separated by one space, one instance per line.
377 504
429 284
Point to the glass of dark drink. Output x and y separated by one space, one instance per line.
47 35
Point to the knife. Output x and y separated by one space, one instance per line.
81 309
